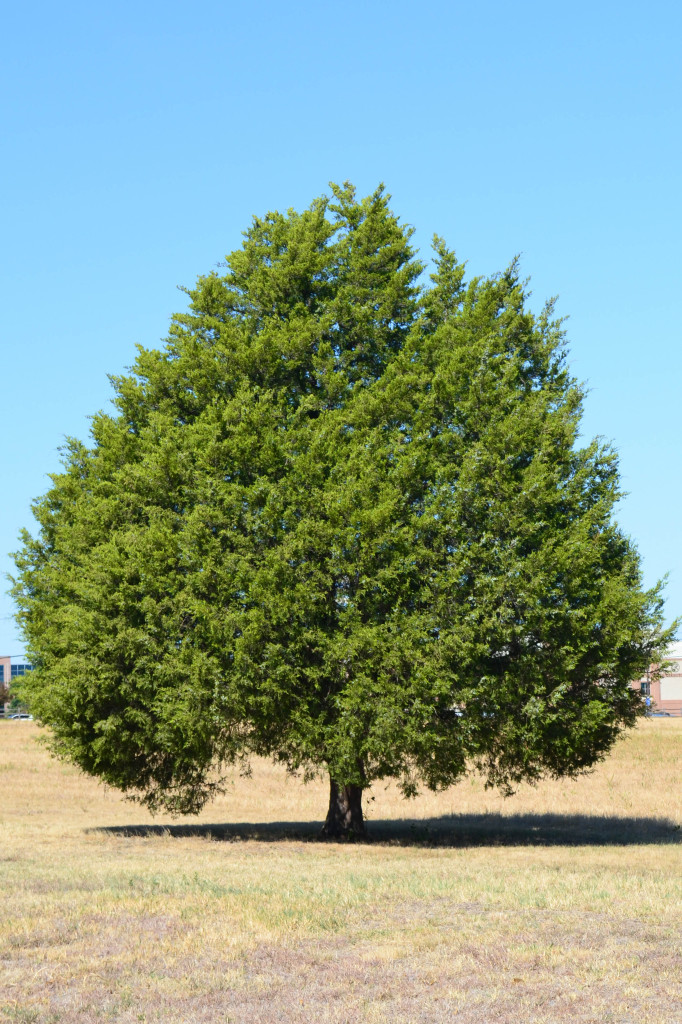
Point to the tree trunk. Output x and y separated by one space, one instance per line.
344 817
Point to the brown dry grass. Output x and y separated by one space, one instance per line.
562 903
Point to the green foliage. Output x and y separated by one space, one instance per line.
14 696
341 520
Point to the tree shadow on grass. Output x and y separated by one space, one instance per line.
453 830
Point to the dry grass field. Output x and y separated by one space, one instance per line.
563 903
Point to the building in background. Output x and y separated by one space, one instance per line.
665 693
10 669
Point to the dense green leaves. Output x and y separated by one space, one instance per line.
341 520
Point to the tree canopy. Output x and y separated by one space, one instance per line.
343 519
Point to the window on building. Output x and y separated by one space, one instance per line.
645 688
20 670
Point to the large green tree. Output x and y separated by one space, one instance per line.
343 520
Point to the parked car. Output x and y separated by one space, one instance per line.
22 717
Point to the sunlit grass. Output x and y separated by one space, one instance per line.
563 902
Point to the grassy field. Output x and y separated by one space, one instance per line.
561 903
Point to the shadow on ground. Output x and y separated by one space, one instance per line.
457 830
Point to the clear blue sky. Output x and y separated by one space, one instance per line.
139 139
